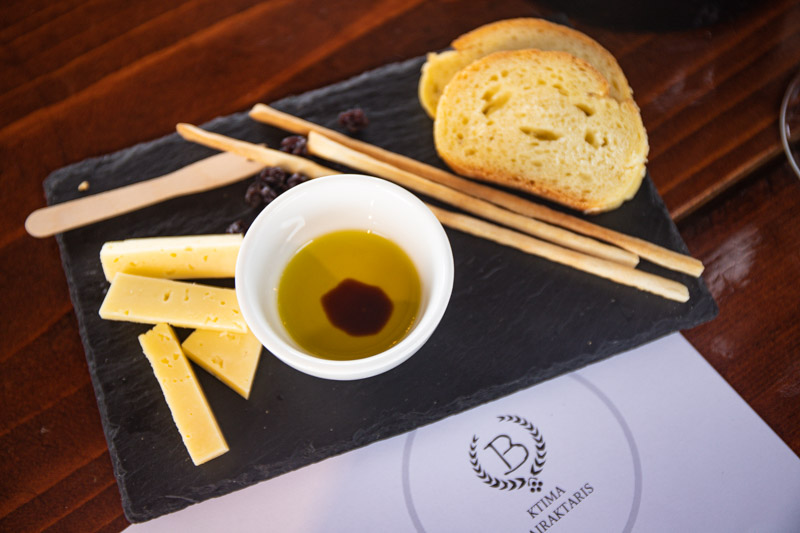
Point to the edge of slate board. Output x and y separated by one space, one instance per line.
375 91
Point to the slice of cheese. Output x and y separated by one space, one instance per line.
189 305
231 357
190 410
191 257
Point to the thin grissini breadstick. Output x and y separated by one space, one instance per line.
326 148
440 192
593 265
204 175
623 275
254 152
652 252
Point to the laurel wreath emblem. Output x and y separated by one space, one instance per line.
519 482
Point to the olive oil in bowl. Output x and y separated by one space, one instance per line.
348 295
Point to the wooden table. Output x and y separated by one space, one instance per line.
84 78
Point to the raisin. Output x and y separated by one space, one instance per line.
237 226
253 195
294 144
295 179
268 193
273 176
269 184
277 173
354 119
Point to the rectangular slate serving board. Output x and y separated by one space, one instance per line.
514 320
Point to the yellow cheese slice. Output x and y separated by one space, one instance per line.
231 357
192 257
187 403
189 305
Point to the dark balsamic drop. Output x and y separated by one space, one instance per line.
357 308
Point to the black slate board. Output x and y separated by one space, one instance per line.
513 321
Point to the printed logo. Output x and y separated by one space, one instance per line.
513 458
530 470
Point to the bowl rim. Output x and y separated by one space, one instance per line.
428 319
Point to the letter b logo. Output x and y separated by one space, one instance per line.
513 455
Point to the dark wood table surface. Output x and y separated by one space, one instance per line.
85 78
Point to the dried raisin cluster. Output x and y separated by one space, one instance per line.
268 185
354 119
294 144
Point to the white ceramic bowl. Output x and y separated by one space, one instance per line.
328 204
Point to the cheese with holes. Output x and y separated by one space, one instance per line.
187 403
188 305
231 357
191 257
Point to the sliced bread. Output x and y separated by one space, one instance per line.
516 34
542 122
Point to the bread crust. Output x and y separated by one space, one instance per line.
515 34
607 63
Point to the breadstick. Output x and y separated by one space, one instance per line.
253 152
326 148
331 150
631 277
652 252
593 265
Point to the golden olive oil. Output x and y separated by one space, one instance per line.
348 295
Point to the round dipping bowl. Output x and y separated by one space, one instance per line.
322 206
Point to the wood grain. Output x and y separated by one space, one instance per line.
85 78
751 269
718 105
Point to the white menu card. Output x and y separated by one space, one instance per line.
650 440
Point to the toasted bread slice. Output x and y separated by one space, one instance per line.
543 122
516 34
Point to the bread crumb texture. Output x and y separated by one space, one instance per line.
543 122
